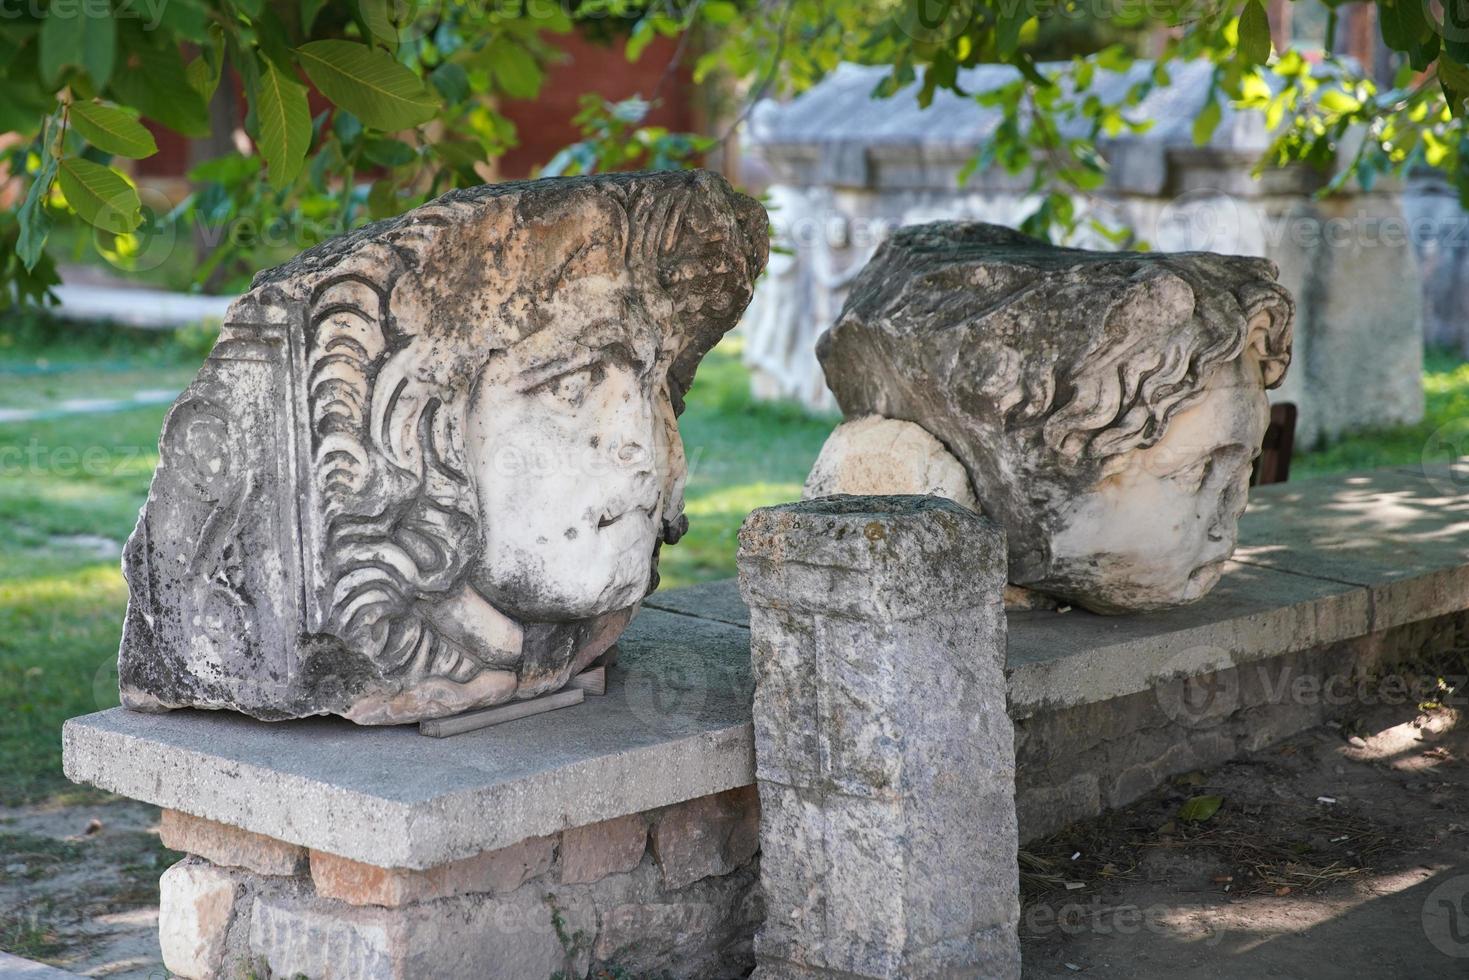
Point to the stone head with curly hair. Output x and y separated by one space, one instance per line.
1106 407
478 403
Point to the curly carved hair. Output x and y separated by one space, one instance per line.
404 314
1086 354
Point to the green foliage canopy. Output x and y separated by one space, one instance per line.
412 90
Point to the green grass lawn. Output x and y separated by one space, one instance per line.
61 603
1442 435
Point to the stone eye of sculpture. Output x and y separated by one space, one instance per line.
1105 407
429 465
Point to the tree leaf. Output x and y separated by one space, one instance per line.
101 195
1454 77
309 10
720 13
515 71
460 157
61 45
15 116
189 19
369 84
72 36
99 46
35 223
379 22
388 153
1395 23
1197 809
382 200
1403 23
1337 101
285 124
452 81
1010 19
203 78
1254 34
1207 120
112 130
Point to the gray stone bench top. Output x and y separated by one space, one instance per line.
674 725
1319 562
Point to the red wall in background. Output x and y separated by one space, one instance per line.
172 158
544 125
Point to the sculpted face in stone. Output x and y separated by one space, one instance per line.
429 465
1107 407
1166 516
582 427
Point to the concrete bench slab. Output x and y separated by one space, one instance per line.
1059 660
719 601
1320 562
674 725
1403 535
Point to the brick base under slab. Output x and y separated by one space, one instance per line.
667 892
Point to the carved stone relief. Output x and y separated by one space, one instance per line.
1106 406
429 464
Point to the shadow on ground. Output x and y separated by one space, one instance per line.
1341 852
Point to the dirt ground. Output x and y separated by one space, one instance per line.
1343 852
79 887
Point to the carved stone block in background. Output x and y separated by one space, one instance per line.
1363 298
883 750
1106 406
429 464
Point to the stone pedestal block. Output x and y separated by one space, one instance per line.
884 753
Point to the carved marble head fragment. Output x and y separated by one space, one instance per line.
429 464
1107 406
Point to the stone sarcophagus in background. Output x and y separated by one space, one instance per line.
429 464
1105 407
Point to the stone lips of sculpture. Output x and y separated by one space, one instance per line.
402 376
1082 391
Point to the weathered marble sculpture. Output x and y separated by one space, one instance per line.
429 464
1106 406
